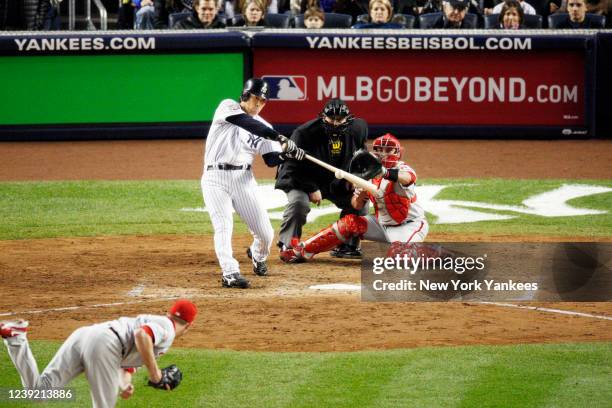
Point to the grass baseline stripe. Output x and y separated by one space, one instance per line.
546 309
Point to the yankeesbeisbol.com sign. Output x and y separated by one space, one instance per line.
428 87
563 271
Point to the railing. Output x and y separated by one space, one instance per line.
90 24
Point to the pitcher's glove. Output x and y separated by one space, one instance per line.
171 378
365 165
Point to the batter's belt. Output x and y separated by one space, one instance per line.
226 166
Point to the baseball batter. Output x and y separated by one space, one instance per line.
107 353
398 216
236 135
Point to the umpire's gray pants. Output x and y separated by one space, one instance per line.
296 212
94 350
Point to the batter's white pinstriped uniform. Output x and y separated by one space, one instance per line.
223 189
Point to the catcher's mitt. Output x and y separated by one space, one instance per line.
365 165
171 378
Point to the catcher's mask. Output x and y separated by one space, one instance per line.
336 118
255 86
388 150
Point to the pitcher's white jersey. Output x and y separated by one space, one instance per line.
230 144
396 204
161 327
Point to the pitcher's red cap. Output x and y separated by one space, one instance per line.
184 309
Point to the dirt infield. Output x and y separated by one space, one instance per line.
182 159
104 277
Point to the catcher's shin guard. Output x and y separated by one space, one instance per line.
341 231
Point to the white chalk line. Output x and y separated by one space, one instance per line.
99 305
166 298
547 309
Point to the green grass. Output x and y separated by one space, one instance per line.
552 375
93 208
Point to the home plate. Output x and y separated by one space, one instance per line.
335 286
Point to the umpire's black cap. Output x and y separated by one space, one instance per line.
257 87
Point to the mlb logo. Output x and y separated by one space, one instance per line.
286 87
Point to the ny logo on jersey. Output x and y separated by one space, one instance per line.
253 141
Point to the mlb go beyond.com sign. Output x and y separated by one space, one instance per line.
426 87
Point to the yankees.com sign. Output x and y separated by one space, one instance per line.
427 88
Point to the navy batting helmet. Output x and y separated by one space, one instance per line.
257 87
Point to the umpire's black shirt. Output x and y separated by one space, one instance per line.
309 177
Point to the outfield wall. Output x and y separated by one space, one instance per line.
415 83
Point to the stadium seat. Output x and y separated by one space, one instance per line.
332 20
277 20
428 20
531 21
176 17
555 19
406 20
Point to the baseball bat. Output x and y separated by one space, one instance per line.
341 174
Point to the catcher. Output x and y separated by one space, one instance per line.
398 217
107 353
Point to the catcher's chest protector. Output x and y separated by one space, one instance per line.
390 204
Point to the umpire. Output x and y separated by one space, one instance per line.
333 137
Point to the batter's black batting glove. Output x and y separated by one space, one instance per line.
298 154
290 148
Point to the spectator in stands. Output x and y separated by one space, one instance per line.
52 20
145 14
353 7
597 7
577 16
125 14
453 16
163 8
328 6
512 15
527 8
314 18
203 16
430 6
600 7
253 13
380 16
35 12
283 6
271 7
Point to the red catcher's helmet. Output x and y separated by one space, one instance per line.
388 149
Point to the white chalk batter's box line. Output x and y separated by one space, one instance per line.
162 299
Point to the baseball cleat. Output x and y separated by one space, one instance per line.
347 252
290 256
13 328
259 268
234 280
